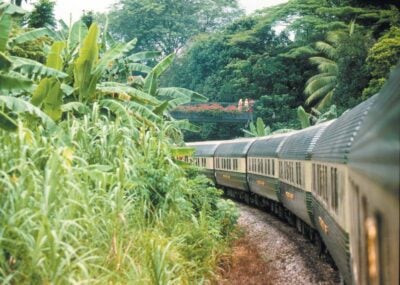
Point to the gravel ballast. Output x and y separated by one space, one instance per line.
273 252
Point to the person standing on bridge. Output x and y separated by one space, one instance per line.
240 105
246 105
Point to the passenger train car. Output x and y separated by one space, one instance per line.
337 182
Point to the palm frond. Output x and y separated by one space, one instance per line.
327 49
318 81
320 94
326 101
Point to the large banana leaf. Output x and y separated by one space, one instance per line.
12 9
116 52
104 36
7 122
5 26
77 34
31 36
150 83
135 94
18 106
53 101
186 125
139 67
54 58
48 94
142 56
178 101
84 65
68 90
163 65
14 81
160 109
75 106
5 62
34 69
175 92
303 117
119 109
143 113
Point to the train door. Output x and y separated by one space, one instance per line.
366 229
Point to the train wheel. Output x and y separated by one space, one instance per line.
320 245
299 225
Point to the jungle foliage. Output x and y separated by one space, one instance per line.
168 25
90 187
308 53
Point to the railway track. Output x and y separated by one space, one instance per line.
289 257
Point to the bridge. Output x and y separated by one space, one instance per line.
214 112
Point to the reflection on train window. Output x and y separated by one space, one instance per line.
325 184
373 231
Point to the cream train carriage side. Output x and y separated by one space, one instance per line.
340 178
203 157
374 170
330 189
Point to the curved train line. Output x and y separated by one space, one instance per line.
337 182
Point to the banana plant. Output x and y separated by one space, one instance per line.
258 129
315 117
89 68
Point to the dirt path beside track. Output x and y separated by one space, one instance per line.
272 252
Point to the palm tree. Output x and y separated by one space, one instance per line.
320 87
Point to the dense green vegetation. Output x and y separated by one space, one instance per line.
90 188
167 25
329 52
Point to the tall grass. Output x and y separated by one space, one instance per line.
99 203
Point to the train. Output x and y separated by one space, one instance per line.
337 182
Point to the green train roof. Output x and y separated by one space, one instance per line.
267 146
375 152
234 148
299 145
336 142
204 149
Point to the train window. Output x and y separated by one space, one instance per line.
319 171
291 172
300 175
334 189
325 186
313 178
268 166
280 169
235 164
373 231
273 167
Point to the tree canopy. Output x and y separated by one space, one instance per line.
344 48
168 25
